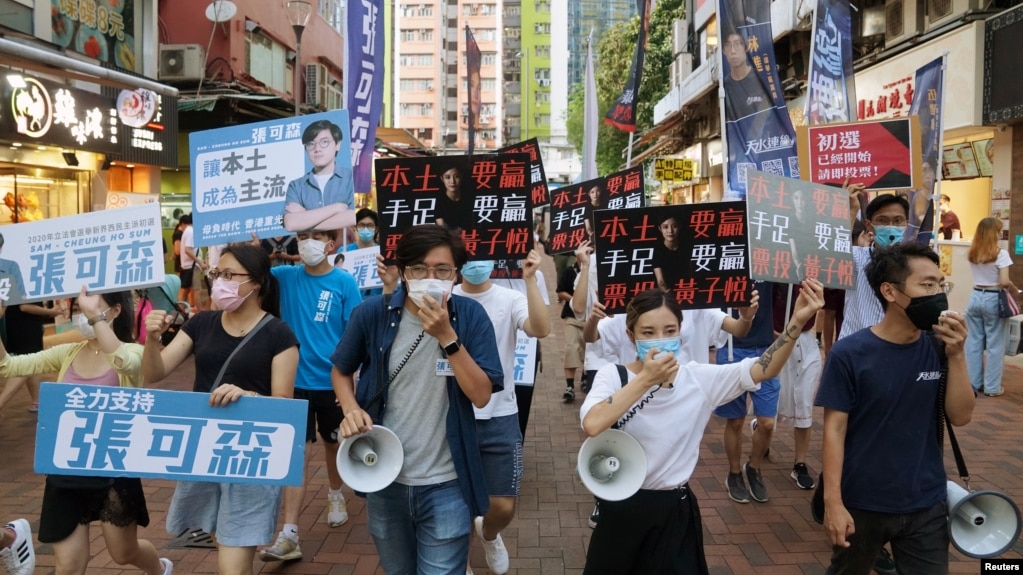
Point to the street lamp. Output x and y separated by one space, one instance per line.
298 15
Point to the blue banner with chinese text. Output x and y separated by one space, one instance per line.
365 90
832 91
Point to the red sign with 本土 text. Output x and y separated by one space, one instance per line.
881 155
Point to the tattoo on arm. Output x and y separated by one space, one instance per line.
609 400
791 332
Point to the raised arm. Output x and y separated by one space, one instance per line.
582 286
740 327
538 324
157 361
811 299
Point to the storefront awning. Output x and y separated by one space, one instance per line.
208 103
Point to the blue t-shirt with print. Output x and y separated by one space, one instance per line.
761 333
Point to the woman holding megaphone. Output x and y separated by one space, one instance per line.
665 407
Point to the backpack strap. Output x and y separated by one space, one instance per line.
623 374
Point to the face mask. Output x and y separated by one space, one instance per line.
477 273
433 287
83 328
885 236
365 235
924 311
668 344
312 251
225 294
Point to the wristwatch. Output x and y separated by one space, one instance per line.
101 317
452 347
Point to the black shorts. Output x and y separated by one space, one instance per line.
324 414
65 509
186 278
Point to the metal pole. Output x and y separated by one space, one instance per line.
298 67
628 158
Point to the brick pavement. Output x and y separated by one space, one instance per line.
550 535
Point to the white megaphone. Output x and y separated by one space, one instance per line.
612 465
981 524
370 461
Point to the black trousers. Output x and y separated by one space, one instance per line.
919 542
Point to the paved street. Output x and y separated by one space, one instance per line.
550 535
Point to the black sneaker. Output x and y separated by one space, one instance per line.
595 516
757 489
884 564
585 387
569 395
737 491
801 475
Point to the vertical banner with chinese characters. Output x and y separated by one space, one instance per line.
473 62
831 94
106 251
696 250
572 206
484 197
799 230
243 177
94 430
622 114
926 106
537 176
365 89
758 130
881 155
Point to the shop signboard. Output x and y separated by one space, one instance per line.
100 29
147 126
105 251
92 430
881 155
674 170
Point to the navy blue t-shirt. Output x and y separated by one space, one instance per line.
761 333
893 463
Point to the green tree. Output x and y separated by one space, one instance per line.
613 57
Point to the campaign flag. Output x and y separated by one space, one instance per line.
484 197
102 431
105 251
696 250
572 206
245 177
926 106
831 93
537 176
591 127
364 92
362 264
622 114
799 230
880 154
758 130
473 61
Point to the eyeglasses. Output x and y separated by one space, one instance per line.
366 226
883 221
441 272
321 144
226 275
934 288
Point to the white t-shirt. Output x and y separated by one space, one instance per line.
987 274
699 327
670 426
593 359
187 241
213 254
508 311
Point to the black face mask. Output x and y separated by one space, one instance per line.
924 311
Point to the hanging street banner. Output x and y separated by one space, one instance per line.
697 250
799 230
101 431
674 170
572 206
927 107
622 114
537 176
365 89
758 129
246 178
880 154
473 62
106 251
486 198
831 93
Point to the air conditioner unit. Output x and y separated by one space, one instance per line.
315 84
681 68
680 36
941 12
181 62
903 20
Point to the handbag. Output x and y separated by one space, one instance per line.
1007 305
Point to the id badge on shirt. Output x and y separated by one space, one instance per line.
444 368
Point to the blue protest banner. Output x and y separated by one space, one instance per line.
104 431
364 92
831 93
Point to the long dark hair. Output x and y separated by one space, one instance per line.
123 324
257 264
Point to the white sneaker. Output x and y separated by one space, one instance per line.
20 557
497 554
337 509
168 567
283 550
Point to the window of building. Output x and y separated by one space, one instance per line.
416 85
542 27
543 5
416 35
413 110
514 10
542 97
333 11
488 84
541 120
415 10
265 61
415 60
488 58
543 51
485 34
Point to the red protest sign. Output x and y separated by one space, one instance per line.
881 155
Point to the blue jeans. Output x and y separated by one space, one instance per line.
421 530
985 342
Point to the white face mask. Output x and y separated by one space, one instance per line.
433 287
312 251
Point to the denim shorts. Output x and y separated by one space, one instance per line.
241 515
501 449
765 400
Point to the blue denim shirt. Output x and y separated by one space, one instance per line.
366 346
306 191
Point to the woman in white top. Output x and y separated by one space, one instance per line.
986 336
665 406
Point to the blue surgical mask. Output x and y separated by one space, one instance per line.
477 273
366 235
668 344
885 236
